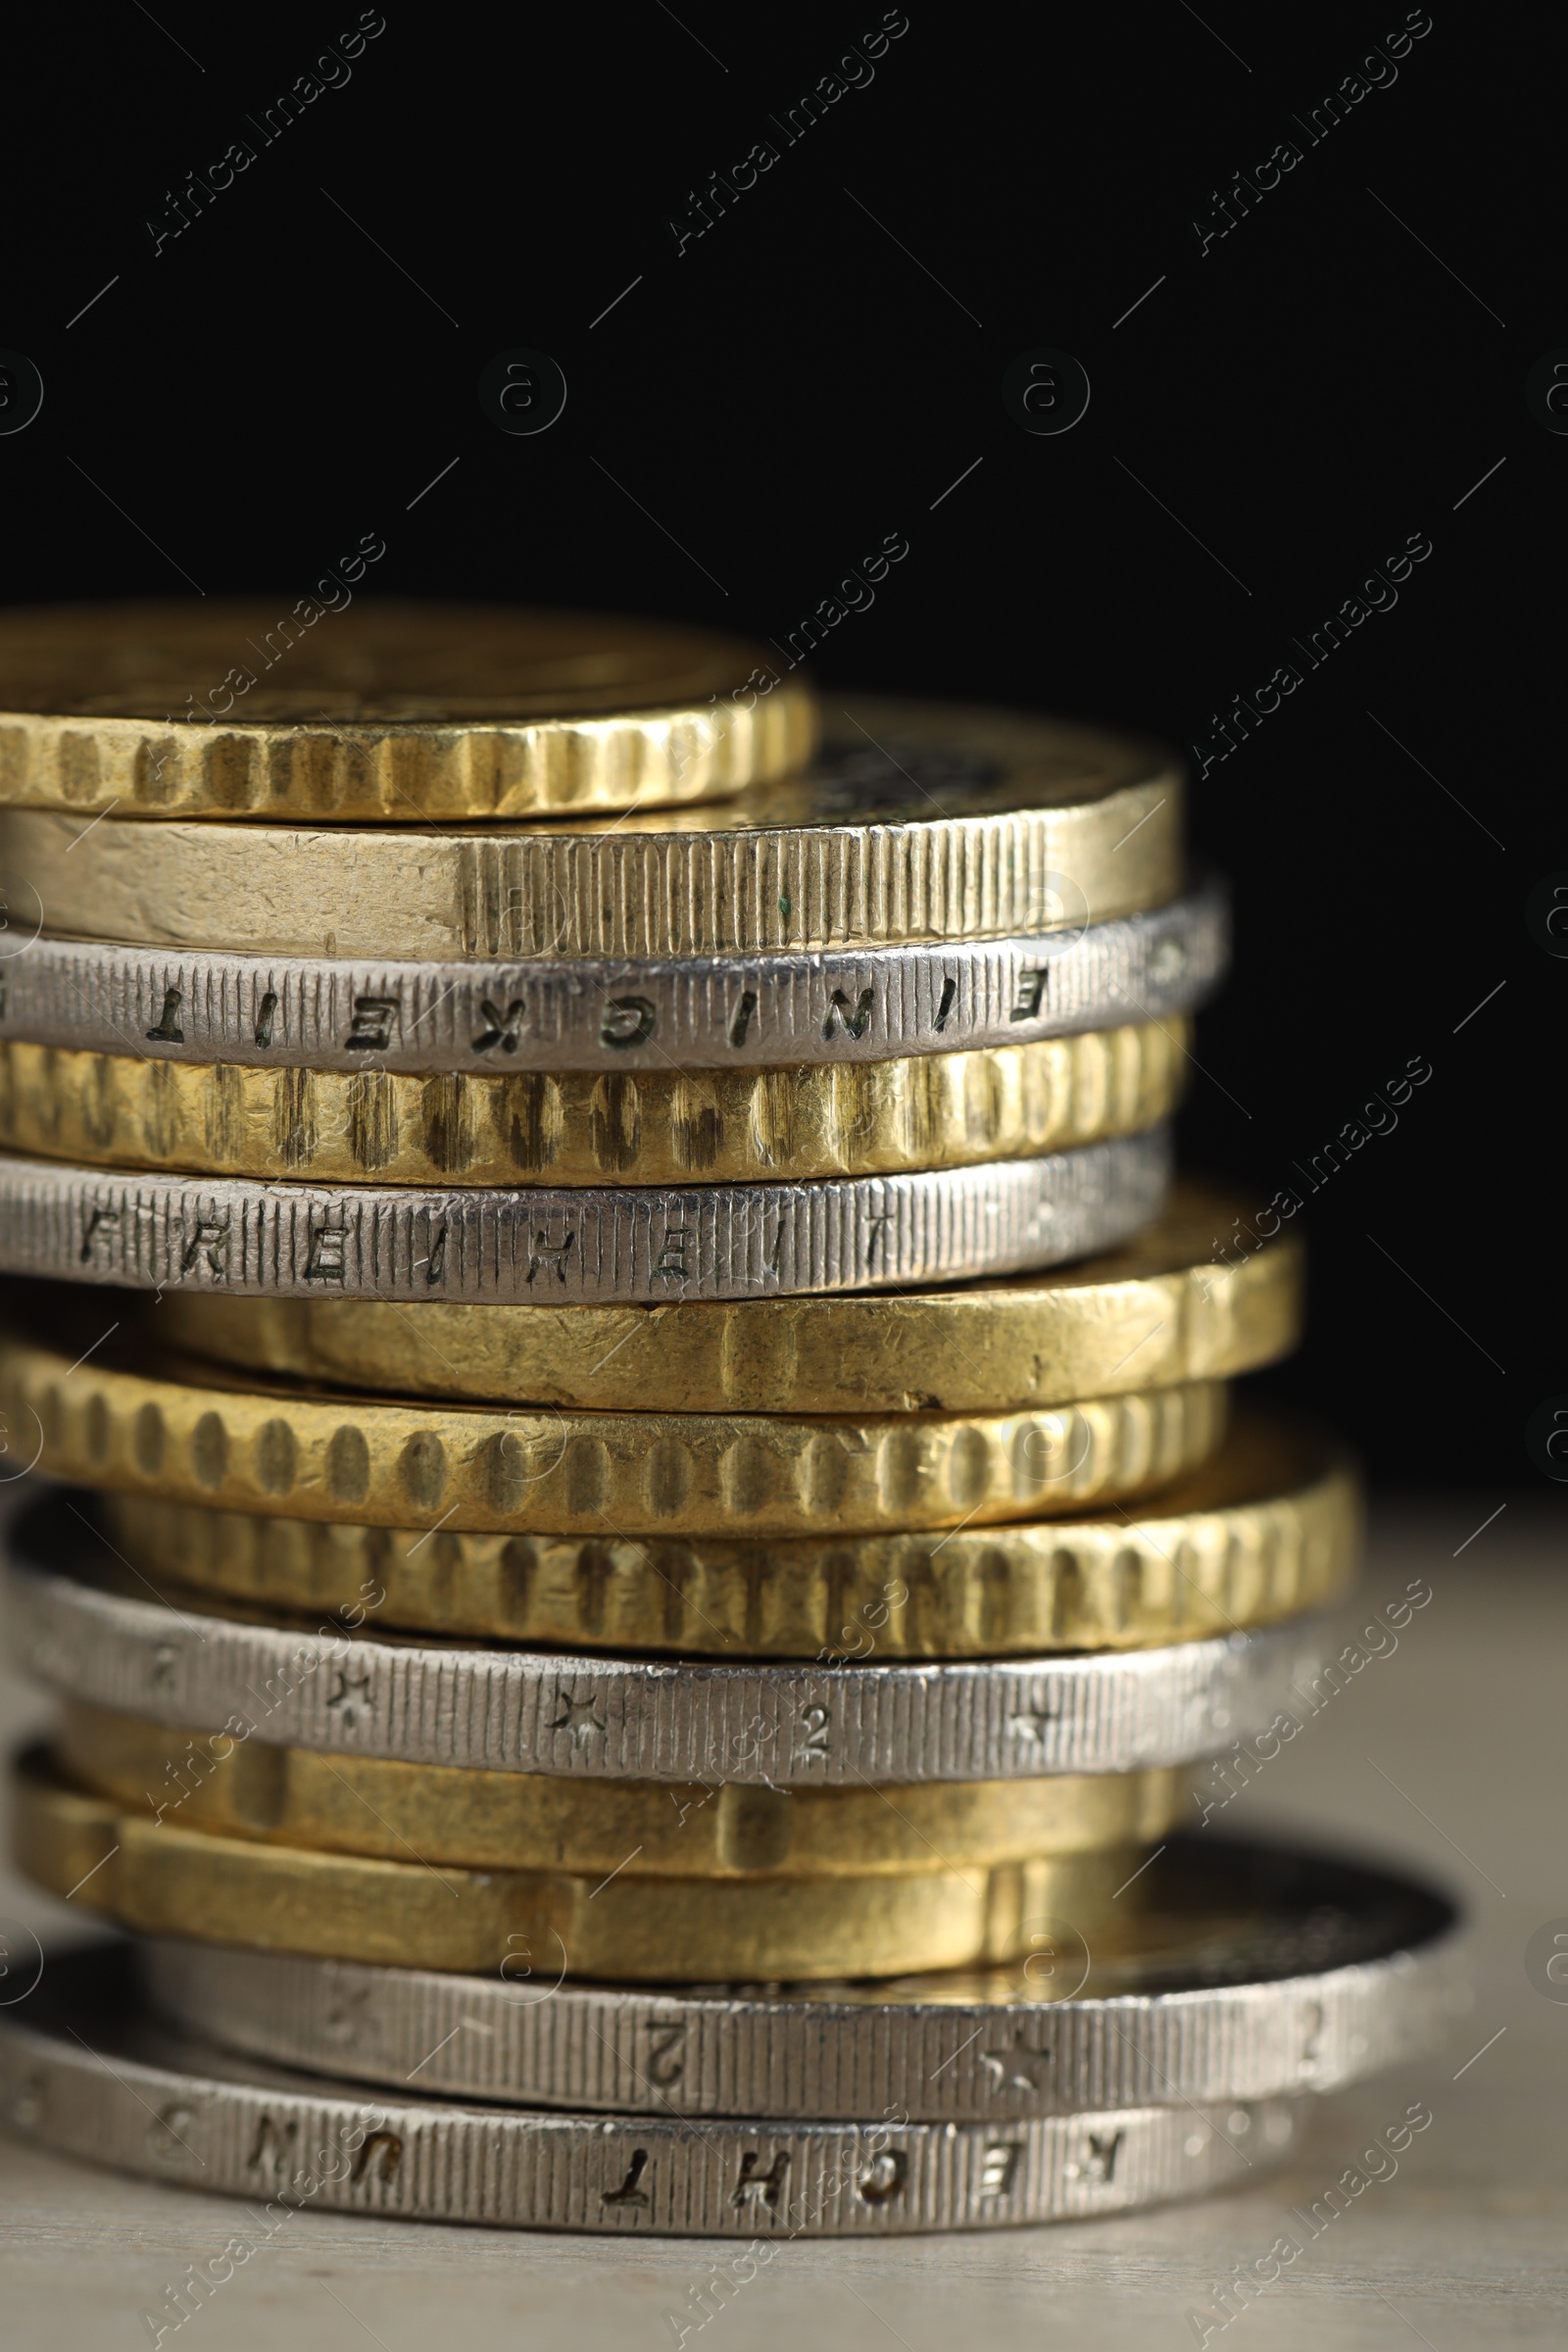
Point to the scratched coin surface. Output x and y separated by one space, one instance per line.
578 1244
918 821
85 2071
195 1434
161 1878
662 1126
711 1012
363 711
1192 1296
1268 1526
209 1666
538 1821
1247 1972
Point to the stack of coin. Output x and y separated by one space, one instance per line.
667 1527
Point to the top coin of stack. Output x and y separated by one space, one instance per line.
608 1172
391 713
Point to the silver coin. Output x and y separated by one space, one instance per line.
577 1246
1247 1975
83 2073
718 1013
510 1710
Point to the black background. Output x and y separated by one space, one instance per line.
805 379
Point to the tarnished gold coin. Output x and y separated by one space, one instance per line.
920 821
1268 1528
338 710
196 1435
352 1804
656 1126
1177 1303
538 1926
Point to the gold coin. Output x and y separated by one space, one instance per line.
390 712
940 1111
537 1926
234 1785
922 821
195 1436
1269 1527
1159 1310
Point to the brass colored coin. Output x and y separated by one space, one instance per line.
194 1436
1160 1310
389 713
165 1881
922 821
1270 1527
657 1126
348 1804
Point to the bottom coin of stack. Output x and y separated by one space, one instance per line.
432 1926
1071 2085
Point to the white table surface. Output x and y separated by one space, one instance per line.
1467 2247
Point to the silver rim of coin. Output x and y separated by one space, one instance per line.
122 2091
798 1727
588 1244
713 1014
1364 1974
